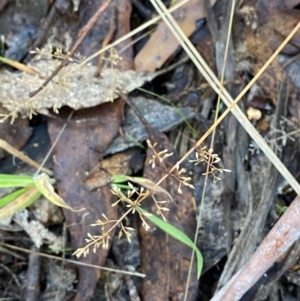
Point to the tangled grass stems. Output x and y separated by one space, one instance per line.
134 198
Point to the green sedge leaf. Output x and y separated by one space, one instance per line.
11 197
42 182
148 184
123 186
179 112
15 181
136 142
177 234
22 201
119 179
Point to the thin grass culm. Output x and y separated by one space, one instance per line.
227 99
215 84
133 199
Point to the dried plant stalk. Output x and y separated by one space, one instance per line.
284 233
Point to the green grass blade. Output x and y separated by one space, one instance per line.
30 195
126 187
11 197
116 179
136 142
192 130
177 234
15 181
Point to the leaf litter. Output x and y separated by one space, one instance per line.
75 86
62 91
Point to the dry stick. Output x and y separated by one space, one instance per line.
14 277
13 151
273 246
106 40
78 263
211 145
210 76
83 32
127 36
42 30
281 237
132 33
136 111
33 277
54 144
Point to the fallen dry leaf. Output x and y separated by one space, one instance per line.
74 86
269 81
159 116
78 150
119 164
16 134
162 43
277 26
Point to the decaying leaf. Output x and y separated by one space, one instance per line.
122 163
74 86
42 183
162 44
159 116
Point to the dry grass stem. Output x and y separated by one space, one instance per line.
215 84
13 151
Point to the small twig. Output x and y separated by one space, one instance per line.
12 274
33 277
136 111
42 30
54 144
107 39
13 151
284 233
82 34
78 263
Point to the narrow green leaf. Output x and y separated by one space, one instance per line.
11 197
126 187
281 209
179 112
15 180
24 200
177 234
148 184
119 179
137 143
